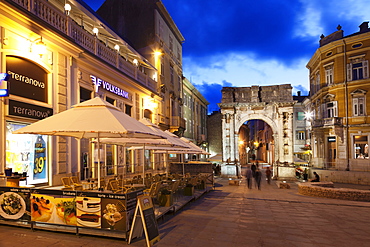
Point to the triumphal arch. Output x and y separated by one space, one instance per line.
271 104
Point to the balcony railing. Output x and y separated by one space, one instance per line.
65 24
328 122
177 122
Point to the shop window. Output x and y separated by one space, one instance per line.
27 154
110 100
128 109
85 94
361 150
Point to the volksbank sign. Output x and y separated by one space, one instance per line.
109 87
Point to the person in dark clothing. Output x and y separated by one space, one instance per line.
268 175
317 177
258 177
253 168
249 177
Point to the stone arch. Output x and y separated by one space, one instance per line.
260 115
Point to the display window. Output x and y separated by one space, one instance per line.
26 154
361 148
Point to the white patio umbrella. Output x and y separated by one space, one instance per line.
195 147
95 118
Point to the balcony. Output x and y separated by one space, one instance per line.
54 16
328 122
177 123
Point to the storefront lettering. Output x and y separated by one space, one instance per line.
26 79
30 112
109 87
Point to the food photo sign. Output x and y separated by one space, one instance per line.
82 209
15 204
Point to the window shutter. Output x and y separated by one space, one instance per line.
349 72
355 106
335 108
365 64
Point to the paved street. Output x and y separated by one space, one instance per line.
237 216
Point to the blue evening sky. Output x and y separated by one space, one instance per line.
240 43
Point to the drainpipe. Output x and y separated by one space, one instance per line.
346 102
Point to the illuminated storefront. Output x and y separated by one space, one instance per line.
52 69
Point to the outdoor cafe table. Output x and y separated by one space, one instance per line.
80 211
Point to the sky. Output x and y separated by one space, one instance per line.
243 43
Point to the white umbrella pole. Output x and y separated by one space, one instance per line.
165 157
144 164
183 165
98 162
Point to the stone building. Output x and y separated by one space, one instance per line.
147 25
194 110
339 82
271 104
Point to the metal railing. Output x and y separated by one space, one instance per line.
65 24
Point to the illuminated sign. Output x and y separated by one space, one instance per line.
21 109
331 139
4 76
27 79
4 92
109 87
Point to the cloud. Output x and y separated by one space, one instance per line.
212 92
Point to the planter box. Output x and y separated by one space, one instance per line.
188 191
165 200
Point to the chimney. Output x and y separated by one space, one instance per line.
364 27
298 93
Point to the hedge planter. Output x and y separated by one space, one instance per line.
165 200
188 191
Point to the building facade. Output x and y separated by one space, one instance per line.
339 82
58 55
195 115
149 27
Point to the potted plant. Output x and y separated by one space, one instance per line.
188 190
165 198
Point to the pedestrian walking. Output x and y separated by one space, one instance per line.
253 168
258 177
268 175
249 176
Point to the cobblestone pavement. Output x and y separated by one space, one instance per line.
236 216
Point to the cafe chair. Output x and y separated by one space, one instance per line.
75 181
67 183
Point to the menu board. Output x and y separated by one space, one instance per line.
145 221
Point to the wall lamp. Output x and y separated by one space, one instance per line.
67 8
38 47
135 62
116 47
95 31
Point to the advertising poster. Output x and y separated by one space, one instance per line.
14 204
56 208
101 210
39 165
26 154
88 211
